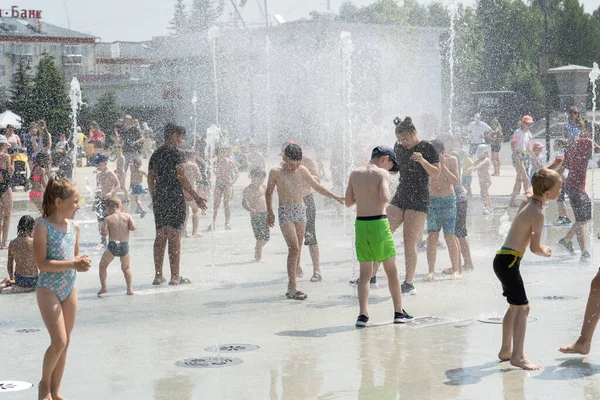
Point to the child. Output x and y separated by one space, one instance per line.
253 200
289 178
226 174
137 176
255 159
25 274
537 162
107 184
117 227
560 145
526 230
6 202
39 180
194 177
482 166
56 253
369 189
120 171
467 176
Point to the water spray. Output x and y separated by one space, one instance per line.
593 75
453 13
76 103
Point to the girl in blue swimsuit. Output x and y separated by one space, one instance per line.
56 252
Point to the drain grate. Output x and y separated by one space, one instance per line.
14 386
27 330
343 297
559 297
430 321
498 320
233 348
208 362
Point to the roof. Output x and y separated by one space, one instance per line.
29 28
570 68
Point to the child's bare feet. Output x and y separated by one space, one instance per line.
579 347
197 234
455 276
130 292
57 396
525 364
102 291
430 277
44 392
505 354
187 235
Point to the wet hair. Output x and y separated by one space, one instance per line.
438 146
223 149
496 120
42 160
543 180
137 162
171 129
62 188
293 152
190 154
258 173
113 203
25 227
574 110
404 126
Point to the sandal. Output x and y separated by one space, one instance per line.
159 281
300 273
316 277
182 281
296 296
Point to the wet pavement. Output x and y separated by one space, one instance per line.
127 347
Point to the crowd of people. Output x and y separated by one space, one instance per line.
431 190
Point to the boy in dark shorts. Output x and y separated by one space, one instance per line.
526 230
253 200
369 189
107 184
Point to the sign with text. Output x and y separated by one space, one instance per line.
15 12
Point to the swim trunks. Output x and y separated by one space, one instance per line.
523 156
26 281
33 195
118 249
506 267
295 213
310 235
460 228
442 214
101 210
59 246
222 185
138 189
373 239
259 226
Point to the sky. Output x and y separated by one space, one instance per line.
138 20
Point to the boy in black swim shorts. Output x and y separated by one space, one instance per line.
253 200
526 230
107 185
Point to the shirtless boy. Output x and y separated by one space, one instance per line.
226 173
442 212
253 200
137 177
117 227
23 278
289 179
107 184
369 189
120 171
526 230
194 177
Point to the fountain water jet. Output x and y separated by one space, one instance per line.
76 103
453 12
347 48
594 75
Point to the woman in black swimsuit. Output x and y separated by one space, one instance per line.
417 160
6 201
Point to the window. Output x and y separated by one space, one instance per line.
72 50
53 50
38 49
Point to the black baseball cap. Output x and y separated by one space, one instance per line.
386 151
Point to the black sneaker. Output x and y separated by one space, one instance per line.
408 288
566 221
103 241
362 321
402 317
373 282
567 245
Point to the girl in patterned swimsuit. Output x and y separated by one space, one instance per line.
56 252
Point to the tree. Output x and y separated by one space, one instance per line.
21 94
204 14
179 24
52 102
107 111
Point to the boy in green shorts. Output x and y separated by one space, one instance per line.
526 230
369 189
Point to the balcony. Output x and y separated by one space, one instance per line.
72 59
22 58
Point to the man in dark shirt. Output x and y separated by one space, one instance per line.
166 184
576 162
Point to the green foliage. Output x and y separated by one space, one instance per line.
52 102
204 14
179 24
106 112
389 12
21 94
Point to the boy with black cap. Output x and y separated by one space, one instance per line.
289 178
369 189
107 184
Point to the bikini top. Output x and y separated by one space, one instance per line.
37 178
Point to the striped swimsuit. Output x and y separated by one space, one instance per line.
59 246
